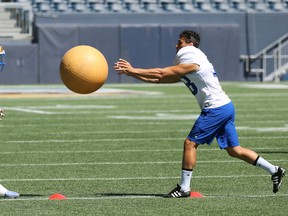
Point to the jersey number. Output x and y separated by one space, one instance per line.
192 87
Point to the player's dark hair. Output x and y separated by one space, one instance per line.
191 36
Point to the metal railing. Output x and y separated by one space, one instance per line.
270 63
21 14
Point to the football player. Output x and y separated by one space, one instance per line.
216 119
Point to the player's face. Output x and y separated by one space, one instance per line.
181 43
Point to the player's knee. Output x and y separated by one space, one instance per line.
234 151
189 144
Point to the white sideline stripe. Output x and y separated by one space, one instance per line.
126 150
35 109
127 178
63 106
246 196
127 139
122 163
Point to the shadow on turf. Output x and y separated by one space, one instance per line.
130 194
31 195
273 152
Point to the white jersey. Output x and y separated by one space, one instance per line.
204 83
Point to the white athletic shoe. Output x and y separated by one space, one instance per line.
11 195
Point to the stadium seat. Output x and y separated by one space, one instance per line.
150 5
95 5
132 6
80 7
203 5
285 3
44 7
157 6
256 5
114 5
237 5
23 1
41 6
62 7
274 5
220 5
59 6
168 5
77 5
98 7
185 5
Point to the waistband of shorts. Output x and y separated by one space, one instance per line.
211 104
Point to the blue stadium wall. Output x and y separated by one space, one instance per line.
147 40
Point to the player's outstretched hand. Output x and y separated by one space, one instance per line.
123 67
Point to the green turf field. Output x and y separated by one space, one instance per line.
116 153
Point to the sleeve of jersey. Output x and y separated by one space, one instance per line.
187 56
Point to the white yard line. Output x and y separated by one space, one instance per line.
126 151
29 110
158 116
127 178
264 85
121 196
90 140
134 196
128 139
123 163
190 123
36 110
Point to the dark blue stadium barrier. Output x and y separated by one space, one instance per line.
54 41
262 29
106 39
222 45
143 45
140 45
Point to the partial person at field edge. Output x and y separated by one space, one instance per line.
4 192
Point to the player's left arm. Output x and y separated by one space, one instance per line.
169 74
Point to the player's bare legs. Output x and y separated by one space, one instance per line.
242 153
189 155
188 163
277 173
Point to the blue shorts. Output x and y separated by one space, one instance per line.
216 122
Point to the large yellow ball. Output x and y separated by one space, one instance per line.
83 69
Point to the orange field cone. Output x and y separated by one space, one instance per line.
57 196
195 194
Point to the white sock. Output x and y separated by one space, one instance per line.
261 162
185 180
3 190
